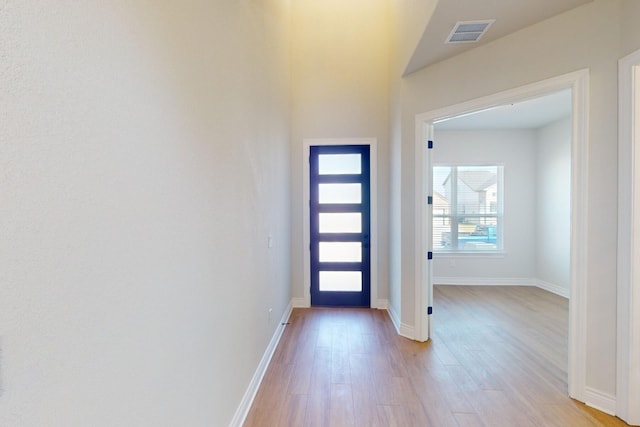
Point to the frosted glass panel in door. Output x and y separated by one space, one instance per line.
339 164
340 251
340 193
343 222
340 281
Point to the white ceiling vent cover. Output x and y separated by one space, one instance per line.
469 31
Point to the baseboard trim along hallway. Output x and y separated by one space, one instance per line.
254 385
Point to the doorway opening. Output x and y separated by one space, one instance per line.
344 269
577 83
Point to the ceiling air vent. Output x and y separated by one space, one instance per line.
468 31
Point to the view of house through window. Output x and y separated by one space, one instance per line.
467 208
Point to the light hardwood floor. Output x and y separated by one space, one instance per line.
498 358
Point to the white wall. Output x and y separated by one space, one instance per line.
144 153
586 37
515 150
553 205
630 28
340 74
414 16
537 202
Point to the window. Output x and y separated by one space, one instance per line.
467 208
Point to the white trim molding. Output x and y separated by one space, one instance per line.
422 222
247 400
601 401
501 281
553 288
382 304
407 331
395 318
628 286
578 82
484 281
373 236
402 329
300 302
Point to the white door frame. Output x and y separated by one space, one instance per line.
628 347
423 297
373 236
579 83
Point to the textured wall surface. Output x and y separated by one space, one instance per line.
340 75
144 160
553 204
515 151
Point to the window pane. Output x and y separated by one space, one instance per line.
347 222
340 193
441 208
466 208
339 164
440 181
441 233
477 189
340 252
340 281
477 234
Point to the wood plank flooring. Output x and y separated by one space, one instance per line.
498 358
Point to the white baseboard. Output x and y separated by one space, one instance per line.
407 331
601 401
382 304
509 281
553 288
300 303
402 329
485 281
247 400
395 319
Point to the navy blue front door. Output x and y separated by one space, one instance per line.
340 225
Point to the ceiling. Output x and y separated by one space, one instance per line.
529 114
509 15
